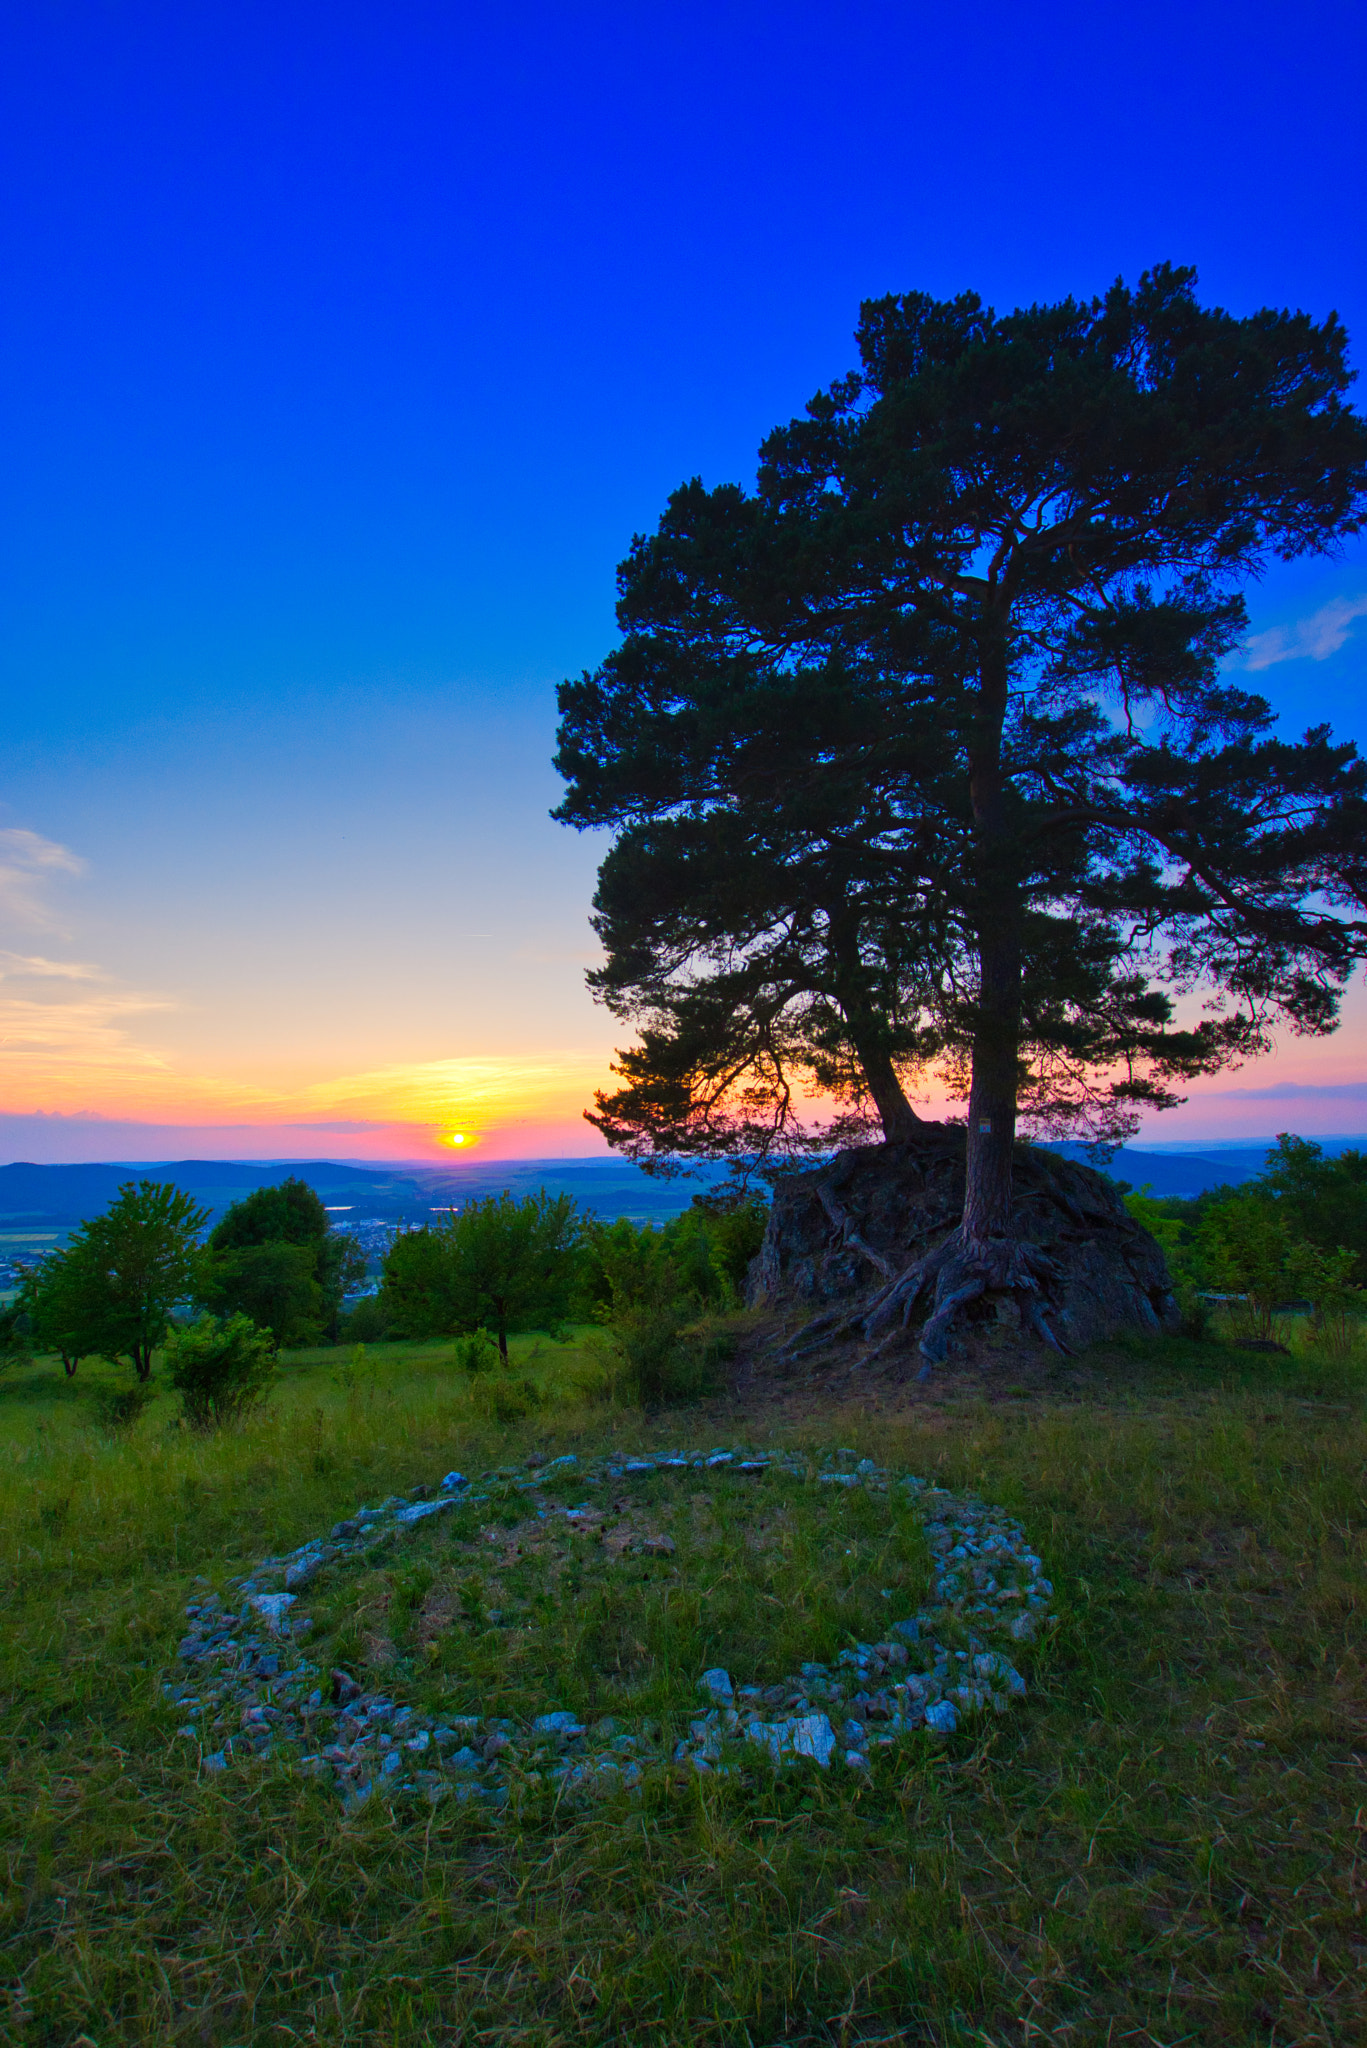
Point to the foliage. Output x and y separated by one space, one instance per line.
651 1288
1244 1251
15 1335
112 1287
925 752
475 1354
1323 1200
119 1408
735 1220
367 1321
1298 1231
220 1369
1337 1299
275 1284
275 1257
500 1263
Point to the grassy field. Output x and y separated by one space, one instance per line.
1160 1845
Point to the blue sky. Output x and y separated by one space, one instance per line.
343 351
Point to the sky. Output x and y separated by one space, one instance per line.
343 351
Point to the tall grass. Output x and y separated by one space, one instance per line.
1159 1846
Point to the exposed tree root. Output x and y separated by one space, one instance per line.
1073 1262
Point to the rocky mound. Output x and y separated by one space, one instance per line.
844 1238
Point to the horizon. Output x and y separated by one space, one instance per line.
346 355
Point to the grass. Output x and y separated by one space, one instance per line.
1159 1846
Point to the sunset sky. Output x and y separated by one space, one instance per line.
345 348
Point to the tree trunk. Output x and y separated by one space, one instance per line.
69 1364
992 1095
898 1118
996 1041
502 1322
868 1033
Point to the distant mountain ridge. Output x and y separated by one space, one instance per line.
62 1196
1186 1174
58 1196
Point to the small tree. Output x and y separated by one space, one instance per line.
1243 1249
275 1257
1323 1200
275 1284
220 1369
111 1289
1336 1299
499 1262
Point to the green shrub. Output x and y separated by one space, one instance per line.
368 1321
220 1369
477 1353
119 1408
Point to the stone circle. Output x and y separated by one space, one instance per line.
246 1659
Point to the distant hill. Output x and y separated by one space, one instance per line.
57 1197
61 1196
1191 1173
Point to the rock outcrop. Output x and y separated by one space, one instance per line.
841 1237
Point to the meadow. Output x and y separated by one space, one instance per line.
1160 1844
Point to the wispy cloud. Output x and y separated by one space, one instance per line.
1289 1091
33 967
1311 639
27 863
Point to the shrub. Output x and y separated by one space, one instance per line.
477 1353
119 1408
1336 1301
220 1369
368 1321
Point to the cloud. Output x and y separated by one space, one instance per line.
1312 639
1288 1091
27 862
33 967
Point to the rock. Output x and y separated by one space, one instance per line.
992 1665
656 1546
838 1232
465 1759
909 1631
558 1723
344 1688
218 1761
422 1509
343 1531
272 1607
943 1717
718 1683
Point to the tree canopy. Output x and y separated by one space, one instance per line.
275 1257
110 1290
501 1263
925 752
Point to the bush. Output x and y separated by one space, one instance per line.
220 1369
654 1300
118 1409
367 1322
477 1353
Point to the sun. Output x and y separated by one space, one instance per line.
457 1138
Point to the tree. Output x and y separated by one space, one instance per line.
275 1257
274 1284
1324 1200
111 1289
499 1262
63 1301
220 1368
1014 546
